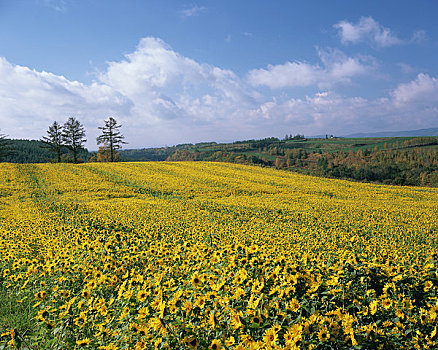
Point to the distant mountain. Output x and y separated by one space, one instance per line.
408 133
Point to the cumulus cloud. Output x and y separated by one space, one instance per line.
283 75
318 113
330 112
160 82
336 68
162 97
367 29
30 99
424 89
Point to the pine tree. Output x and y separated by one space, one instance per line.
73 135
112 137
54 140
5 146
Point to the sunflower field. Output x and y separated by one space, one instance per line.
197 255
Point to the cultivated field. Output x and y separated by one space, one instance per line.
213 255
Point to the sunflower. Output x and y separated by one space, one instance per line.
200 301
323 334
81 320
386 303
373 307
230 341
293 305
143 313
42 314
257 319
172 308
252 249
215 345
196 280
92 284
288 337
270 336
40 295
142 295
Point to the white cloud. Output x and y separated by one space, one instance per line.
283 75
329 112
30 100
367 29
424 89
318 113
162 97
192 11
160 82
336 68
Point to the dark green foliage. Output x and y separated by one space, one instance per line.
6 148
33 151
54 140
296 137
146 154
73 136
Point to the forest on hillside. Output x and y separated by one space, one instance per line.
34 151
410 161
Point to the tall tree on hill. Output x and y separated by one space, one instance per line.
111 137
73 135
54 140
5 146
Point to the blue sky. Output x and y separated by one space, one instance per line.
189 71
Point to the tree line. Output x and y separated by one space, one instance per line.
72 136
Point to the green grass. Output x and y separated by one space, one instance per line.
16 313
